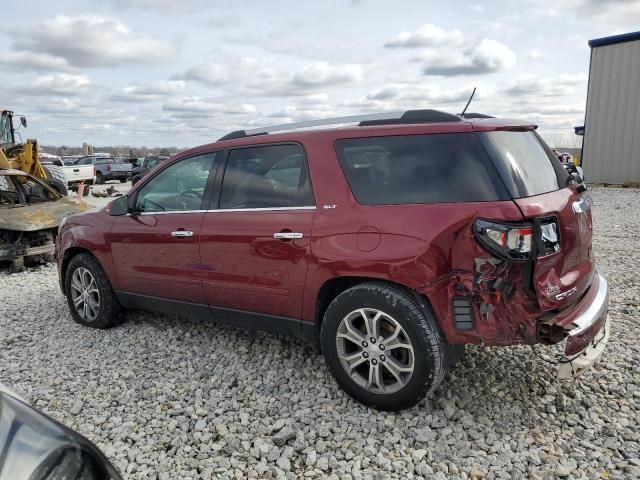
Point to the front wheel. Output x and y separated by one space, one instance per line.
89 294
99 178
382 347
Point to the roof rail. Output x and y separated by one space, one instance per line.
385 118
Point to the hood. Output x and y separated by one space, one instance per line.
40 216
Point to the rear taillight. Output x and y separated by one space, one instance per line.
94 170
509 241
108 168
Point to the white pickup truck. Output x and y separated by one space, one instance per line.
70 175
77 174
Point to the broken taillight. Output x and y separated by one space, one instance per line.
509 241
548 238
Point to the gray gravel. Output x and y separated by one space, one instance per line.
166 397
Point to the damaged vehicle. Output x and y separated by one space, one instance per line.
391 243
30 212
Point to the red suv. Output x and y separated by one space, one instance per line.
393 243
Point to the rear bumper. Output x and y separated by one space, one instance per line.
580 362
587 320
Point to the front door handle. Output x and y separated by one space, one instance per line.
182 233
287 235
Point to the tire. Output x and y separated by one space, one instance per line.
99 178
418 328
107 312
57 185
55 175
123 180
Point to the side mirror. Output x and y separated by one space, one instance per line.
120 206
36 447
23 121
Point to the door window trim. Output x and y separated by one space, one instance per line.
208 188
228 210
214 205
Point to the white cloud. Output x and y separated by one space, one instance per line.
613 12
91 41
535 54
261 77
409 96
489 56
427 35
150 91
559 86
209 73
322 74
200 107
60 84
26 60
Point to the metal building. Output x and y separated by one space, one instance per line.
611 148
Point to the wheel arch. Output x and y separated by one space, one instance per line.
68 255
333 287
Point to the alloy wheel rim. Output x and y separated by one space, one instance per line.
375 351
85 294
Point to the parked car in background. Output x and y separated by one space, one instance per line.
107 168
147 164
36 447
392 244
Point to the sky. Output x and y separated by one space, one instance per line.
162 73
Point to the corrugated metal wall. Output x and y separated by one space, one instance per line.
612 127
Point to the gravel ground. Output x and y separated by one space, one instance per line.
166 397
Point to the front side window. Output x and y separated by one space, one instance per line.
419 169
179 187
274 176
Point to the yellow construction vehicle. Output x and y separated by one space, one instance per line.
24 156
33 198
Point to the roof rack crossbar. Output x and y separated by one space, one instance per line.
326 121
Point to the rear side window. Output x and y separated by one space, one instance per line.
274 176
419 169
526 164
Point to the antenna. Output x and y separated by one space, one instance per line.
467 105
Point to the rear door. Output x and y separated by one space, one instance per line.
561 214
156 248
255 242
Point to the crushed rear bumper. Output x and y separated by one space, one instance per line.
587 330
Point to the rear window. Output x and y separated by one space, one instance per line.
526 164
406 169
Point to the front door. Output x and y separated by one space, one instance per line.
255 242
155 249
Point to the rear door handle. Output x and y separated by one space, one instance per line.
182 233
287 235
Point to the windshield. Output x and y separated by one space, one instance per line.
6 136
17 190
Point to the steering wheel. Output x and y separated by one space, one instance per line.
6 199
183 201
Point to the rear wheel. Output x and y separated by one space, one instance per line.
89 294
57 185
382 347
123 180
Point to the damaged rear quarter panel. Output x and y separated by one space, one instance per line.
431 249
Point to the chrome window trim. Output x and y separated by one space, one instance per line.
265 209
226 210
